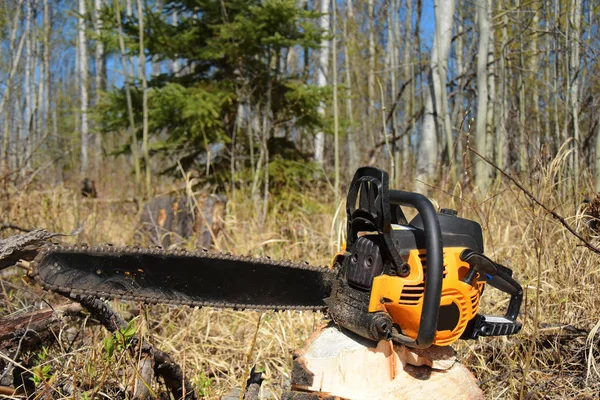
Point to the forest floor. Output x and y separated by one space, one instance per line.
556 356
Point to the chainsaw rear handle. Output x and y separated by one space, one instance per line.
497 276
435 262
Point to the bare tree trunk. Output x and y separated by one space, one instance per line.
481 170
392 65
175 67
532 69
353 156
458 109
491 82
46 63
574 77
134 143
501 130
322 73
142 74
408 72
336 143
555 77
100 77
83 89
99 52
432 124
28 115
156 64
266 128
441 98
371 73
128 8
6 96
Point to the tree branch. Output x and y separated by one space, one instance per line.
554 214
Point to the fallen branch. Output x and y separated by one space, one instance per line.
38 322
23 247
553 213
164 366
7 225
28 333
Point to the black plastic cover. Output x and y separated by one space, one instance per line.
456 231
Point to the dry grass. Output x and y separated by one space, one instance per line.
555 357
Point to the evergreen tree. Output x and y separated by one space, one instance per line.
232 84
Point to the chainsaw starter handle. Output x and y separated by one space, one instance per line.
435 262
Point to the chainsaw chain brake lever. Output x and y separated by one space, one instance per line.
499 277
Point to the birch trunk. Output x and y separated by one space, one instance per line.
353 157
371 73
26 133
433 125
336 144
175 64
501 130
555 76
83 90
142 75
491 101
46 66
574 95
6 96
322 73
458 109
99 51
133 138
100 77
532 69
392 61
481 170
156 65
441 97
408 71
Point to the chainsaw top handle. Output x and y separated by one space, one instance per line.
377 208
435 262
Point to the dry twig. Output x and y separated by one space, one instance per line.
553 213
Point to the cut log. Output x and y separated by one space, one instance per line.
34 329
335 364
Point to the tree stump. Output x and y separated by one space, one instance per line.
336 364
172 219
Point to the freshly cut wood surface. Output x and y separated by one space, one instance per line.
336 363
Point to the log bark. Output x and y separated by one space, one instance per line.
334 364
23 247
33 328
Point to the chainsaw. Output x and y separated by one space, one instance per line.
417 283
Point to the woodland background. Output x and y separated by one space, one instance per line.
275 103
227 88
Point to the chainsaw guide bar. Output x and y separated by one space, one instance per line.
179 277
